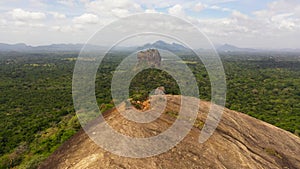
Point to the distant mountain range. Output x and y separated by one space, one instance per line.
21 47
172 47
231 48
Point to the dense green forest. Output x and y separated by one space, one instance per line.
37 114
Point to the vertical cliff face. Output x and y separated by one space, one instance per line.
151 57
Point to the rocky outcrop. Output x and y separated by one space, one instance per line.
160 90
151 57
239 142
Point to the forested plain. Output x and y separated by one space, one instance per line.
37 113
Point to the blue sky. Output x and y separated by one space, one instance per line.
245 23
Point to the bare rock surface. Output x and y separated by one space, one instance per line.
239 142
151 57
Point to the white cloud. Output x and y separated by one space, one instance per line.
279 7
22 15
69 3
266 25
199 7
150 11
271 27
113 8
215 7
239 15
36 25
157 3
3 22
221 1
177 10
283 5
236 25
67 28
284 21
37 3
280 15
118 12
57 15
279 19
86 18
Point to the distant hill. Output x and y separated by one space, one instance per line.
14 47
46 48
231 48
239 141
172 47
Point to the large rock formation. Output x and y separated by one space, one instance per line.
239 142
151 57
